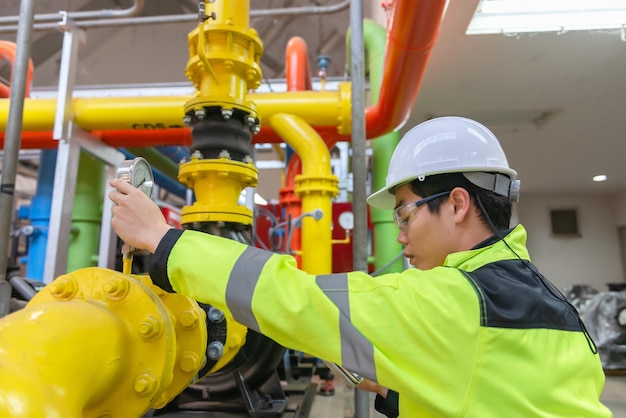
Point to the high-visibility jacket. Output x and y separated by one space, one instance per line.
484 335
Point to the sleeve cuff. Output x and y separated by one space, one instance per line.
158 267
387 406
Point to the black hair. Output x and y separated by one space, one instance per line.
497 207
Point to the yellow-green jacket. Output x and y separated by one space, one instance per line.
482 336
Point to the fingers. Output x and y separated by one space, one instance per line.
137 220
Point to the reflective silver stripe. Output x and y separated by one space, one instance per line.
241 284
357 353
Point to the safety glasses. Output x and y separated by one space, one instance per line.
402 214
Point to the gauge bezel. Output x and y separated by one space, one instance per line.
127 169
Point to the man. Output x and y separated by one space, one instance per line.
474 330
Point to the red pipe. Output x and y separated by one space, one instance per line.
289 200
413 29
159 137
7 52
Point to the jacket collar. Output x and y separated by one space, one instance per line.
492 249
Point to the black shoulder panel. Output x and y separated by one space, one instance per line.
513 296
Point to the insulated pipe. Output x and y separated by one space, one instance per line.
413 29
316 186
7 52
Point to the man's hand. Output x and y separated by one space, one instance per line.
370 386
137 220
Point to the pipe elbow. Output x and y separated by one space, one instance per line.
311 148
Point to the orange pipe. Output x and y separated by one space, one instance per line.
413 29
297 68
7 52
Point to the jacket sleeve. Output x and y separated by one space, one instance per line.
379 327
158 267
267 293
387 406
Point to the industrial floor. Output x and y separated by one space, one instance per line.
341 405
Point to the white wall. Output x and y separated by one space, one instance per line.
620 210
594 258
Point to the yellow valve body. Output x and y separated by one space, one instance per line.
224 58
217 185
98 343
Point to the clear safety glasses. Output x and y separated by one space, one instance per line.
402 214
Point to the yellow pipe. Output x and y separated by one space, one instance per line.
224 58
316 186
105 113
47 372
217 184
146 348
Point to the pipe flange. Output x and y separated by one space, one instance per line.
145 371
191 339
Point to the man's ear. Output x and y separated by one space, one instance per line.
462 203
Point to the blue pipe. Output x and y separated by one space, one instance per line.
175 154
40 207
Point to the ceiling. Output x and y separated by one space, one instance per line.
554 100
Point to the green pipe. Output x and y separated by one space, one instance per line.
157 160
386 247
86 213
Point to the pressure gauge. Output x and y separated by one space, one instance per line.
346 220
138 173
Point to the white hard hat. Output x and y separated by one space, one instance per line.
449 144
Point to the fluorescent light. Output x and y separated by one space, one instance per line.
600 177
518 16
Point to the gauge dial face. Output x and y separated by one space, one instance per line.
346 220
138 173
